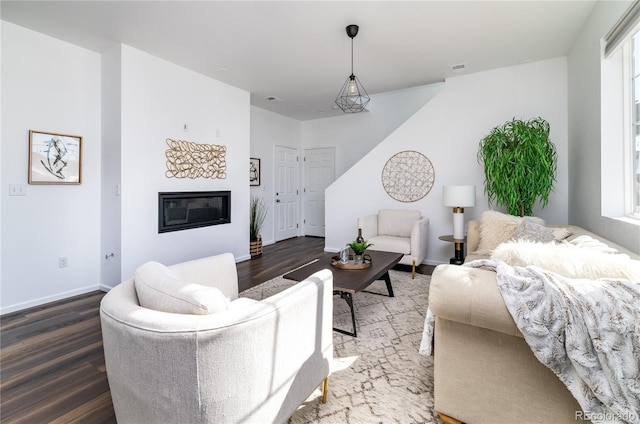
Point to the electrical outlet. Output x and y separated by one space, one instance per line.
63 262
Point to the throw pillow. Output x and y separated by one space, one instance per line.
497 228
531 231
561 233
160 289
569 260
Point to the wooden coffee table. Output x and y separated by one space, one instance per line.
347 282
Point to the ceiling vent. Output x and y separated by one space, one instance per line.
458 67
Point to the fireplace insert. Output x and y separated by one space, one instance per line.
192 209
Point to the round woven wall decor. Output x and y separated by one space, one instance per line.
408 176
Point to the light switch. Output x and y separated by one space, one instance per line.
17 189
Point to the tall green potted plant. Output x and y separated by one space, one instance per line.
257 213
519 165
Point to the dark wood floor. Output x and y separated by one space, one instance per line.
51 360
277 259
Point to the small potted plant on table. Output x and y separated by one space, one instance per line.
359 248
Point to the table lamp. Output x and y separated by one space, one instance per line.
459 197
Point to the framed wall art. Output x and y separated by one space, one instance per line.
54 158
254 171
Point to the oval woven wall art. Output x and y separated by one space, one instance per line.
408 176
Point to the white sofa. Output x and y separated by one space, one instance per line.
484 370
222 359
396 230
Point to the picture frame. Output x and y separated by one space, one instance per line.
254 171
54 158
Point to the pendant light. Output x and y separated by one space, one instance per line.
353 97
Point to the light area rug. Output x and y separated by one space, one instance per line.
379 376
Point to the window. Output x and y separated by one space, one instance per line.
622 50
633 147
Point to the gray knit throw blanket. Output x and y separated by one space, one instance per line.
586 331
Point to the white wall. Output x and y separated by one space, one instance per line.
268 130
588 146
48 85
447 130
111 223
2 182
158 97
125 104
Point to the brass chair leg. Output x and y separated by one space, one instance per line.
325 389
448 420
413 271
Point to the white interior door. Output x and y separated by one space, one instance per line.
319 171
286 193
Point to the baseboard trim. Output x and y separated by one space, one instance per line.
105 288
434 263
48 299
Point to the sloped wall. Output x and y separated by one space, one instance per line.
351 135
447 130
354 135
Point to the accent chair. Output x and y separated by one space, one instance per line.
396 230
181 346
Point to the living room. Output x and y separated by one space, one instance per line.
59 241
126 103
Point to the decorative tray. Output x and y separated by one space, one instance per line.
335 261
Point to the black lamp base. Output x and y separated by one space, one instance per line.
458 258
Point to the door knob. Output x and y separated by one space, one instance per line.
277 200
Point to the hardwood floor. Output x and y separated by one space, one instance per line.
277 259
51 360
52 364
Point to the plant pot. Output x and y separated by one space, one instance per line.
358 259
255 247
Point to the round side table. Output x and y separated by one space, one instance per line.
458 258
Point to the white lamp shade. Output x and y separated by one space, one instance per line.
459 196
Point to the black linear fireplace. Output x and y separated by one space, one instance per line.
192 209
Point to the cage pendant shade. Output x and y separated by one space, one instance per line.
352 97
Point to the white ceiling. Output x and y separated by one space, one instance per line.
298 51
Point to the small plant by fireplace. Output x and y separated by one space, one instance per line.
184 210
257 213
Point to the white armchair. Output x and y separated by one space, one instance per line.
401 231
196 353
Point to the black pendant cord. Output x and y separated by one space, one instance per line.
351 56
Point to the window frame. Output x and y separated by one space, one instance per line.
631 98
